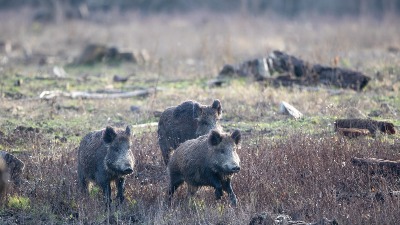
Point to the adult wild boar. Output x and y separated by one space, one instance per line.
209 160
14 167
105 156
186 121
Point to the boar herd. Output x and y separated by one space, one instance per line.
193 146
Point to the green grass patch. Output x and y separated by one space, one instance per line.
19 203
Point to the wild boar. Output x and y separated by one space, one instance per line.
186 121
14 166
105 156
209 160
371 125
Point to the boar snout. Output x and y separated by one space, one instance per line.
235 169
128 171
230 169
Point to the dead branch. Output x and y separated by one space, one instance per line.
88 95
381 164
353 132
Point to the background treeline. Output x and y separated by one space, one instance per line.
289 8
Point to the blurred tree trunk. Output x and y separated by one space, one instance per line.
58 11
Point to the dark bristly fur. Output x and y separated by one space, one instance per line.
14 166
105 156
209 160
371 125
186 121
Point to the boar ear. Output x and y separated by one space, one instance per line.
8 158
109 135
197 110
214 138
237 136
128 130
217 105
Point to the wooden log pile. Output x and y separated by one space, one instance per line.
291 71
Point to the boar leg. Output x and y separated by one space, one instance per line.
121 189
107 192
226 186
216 183
83 185
175 182
165 149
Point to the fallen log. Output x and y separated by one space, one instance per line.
353 132
88 95
294 71
376 195
98 53
371 125
381 165
315 73
342 78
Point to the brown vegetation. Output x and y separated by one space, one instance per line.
303 176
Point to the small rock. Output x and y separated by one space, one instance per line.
134 108
59 72
120 79
286 108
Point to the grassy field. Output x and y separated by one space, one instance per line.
296 167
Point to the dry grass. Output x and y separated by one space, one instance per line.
300 168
